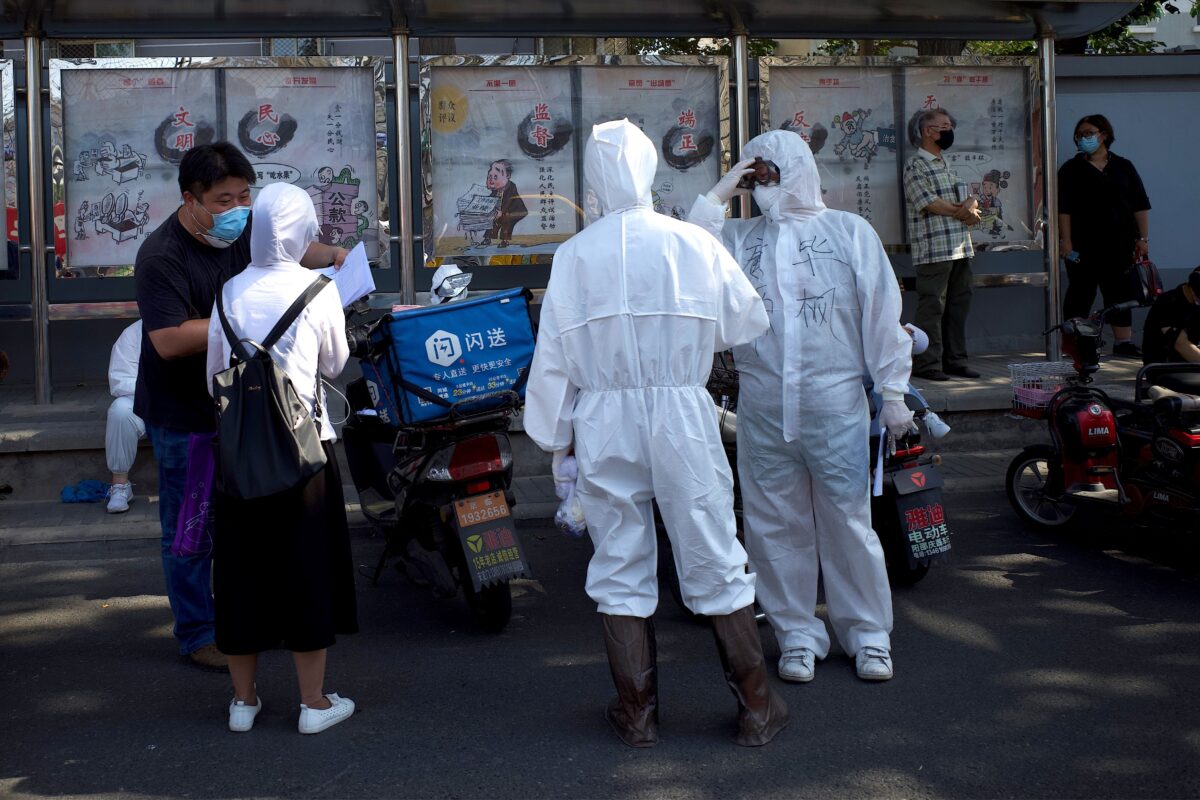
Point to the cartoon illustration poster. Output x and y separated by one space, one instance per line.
847 116
314 127
991 141
678 108
124 134
503 147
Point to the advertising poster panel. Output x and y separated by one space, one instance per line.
848 117
313 127
125 132
678 108
503 143
991 150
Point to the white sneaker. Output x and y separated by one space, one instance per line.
874 664
315 720
241 716
798 665
120 495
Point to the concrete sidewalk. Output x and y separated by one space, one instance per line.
25 523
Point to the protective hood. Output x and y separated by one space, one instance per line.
619 162
285 224
799 183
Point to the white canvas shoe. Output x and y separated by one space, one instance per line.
798 665
241 716
120 495
315 720
874 664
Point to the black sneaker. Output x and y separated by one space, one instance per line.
931 375
1127 349
962 372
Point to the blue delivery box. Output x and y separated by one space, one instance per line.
465 356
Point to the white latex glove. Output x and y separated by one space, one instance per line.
895 418
920 338
556 466
727 187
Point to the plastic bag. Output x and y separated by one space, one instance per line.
569 517
86 491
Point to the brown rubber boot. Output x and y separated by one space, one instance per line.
761 711
633 713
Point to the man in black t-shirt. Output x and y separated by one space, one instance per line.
1172 330
179 270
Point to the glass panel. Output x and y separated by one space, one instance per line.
991 141
119 128
847 116
9 263
314 128
678 108
503 140
125 132
114 50
854 112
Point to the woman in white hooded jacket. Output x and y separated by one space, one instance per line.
282 569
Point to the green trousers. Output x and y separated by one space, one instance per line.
943 301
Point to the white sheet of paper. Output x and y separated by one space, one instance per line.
877 489
354 279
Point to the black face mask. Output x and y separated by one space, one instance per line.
945 139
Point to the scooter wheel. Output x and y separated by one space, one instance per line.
1034 485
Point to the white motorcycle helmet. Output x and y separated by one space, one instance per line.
449 284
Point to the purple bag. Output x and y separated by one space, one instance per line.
193 529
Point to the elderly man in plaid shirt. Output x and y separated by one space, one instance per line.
939 213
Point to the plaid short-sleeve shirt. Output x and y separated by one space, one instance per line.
933 237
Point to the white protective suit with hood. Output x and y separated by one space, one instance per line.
803 460
637 304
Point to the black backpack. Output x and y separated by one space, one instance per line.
267 440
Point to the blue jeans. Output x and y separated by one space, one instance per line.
189 586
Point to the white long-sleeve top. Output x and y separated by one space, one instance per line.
254 300
123 361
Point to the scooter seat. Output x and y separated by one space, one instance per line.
1178 382
1159 392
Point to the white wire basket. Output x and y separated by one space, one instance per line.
1033 384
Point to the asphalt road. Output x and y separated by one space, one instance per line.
1027 666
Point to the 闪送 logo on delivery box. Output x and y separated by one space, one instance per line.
443 348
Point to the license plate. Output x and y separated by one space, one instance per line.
481 509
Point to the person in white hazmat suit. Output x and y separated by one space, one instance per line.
636 306
803 459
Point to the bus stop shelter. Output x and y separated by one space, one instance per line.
36 21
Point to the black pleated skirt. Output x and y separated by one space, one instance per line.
283 575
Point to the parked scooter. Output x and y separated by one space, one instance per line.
1140 457
908 516
440 492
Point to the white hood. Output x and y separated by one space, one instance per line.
285 224
799 183
619 162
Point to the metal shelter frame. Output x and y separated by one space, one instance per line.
34 21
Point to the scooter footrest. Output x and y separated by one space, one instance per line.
1103 495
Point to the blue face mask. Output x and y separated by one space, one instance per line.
227 226
1088 144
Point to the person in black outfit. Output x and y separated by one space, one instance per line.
1173 325
1104 223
